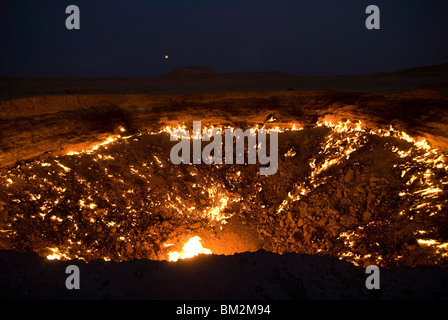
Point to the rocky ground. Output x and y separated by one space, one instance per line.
355 195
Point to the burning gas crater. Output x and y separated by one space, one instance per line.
362 195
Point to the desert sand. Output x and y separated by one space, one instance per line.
200 79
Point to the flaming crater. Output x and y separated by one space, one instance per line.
364 195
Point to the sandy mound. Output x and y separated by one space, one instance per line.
190 73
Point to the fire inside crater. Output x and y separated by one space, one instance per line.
362 195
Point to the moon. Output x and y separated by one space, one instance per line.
166 56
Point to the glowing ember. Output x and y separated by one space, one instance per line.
192 248
108 140
56 254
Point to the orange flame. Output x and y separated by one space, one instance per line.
192 248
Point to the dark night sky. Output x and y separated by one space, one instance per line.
130 38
